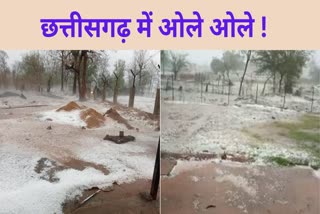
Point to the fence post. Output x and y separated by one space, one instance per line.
312 98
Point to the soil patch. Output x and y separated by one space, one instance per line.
113 114
92 118
124 198
70 107
48 168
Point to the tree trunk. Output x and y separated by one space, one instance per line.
244 72
83 92
274 83
132 91
222 84
284 100
115 92
62 70
49 84
79 83
131 96
312 98
74 88
156 109
257 89
104 88
264 85
280 83
229 86
172 89
207 85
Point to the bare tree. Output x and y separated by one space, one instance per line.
116 88
248 57
156 109
178 62
133 88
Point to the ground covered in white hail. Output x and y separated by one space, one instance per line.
193 128
25 140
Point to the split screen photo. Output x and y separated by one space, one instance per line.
160 131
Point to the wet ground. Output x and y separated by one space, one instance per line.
120 199
234 188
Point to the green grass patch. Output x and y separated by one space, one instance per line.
304 136
307 129
281 161
315 164
307 121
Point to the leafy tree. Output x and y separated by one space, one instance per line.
314 72
4 69
288 64
230 61
33 68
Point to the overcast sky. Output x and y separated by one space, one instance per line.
204 57
127 55
200 57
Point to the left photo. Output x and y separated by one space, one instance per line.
79 131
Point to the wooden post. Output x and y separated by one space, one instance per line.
256 101
156 175
229 86
201 85
172 88
284 99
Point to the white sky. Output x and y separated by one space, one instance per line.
204 57
127 55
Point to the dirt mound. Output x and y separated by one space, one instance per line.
70 107
113 114
92 118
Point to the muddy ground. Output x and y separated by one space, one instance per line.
210 187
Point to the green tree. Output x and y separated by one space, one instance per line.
314 72
230 61
4 68
33 68
288 64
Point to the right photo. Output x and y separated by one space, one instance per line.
240 131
